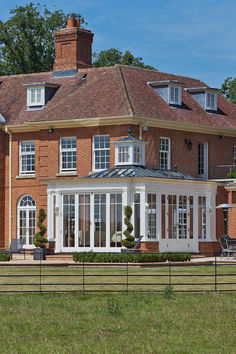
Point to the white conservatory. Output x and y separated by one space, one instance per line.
172 209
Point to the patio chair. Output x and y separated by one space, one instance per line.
16 245
224 241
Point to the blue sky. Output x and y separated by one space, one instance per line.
186 37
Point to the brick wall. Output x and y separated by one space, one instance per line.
47 160
220 151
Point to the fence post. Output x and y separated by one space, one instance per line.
127 273
215 273
169 273
40 276
83 272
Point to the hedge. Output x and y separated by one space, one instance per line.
93 257
4 256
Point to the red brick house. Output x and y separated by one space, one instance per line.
83 142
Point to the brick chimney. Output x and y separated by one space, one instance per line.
73 47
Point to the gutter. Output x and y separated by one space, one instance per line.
10 184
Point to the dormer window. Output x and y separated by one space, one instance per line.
206 97
38 94
175 95
211 101
169 90
130 151
36 97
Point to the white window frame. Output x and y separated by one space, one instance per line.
72 150
34 92
26 153
107 165
27 207
167 152
176 97
211 101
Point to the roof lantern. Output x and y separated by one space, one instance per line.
130 151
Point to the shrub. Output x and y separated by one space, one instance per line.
231 175
39 239
92 257
168 292
4 256
129 239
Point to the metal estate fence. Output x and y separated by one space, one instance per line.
123 277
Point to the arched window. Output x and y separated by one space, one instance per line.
26 220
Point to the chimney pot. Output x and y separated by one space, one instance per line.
71 22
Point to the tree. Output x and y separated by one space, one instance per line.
114 56
26 39
228 89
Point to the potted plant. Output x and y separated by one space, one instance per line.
39 240
129 241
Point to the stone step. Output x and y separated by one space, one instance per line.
21 256
59 256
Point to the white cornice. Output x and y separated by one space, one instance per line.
119 120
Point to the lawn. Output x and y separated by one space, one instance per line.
118 323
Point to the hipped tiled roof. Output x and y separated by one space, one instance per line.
109 92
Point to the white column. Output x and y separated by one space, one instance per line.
195 217
158 216
92 220
76 245
108 220
210 216
188 216
59 224
143 215
50 216
166 218
125 202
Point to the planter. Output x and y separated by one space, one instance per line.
40 254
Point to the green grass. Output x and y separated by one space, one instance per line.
193 278
120 323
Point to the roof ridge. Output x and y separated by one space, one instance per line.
160 72
129 106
